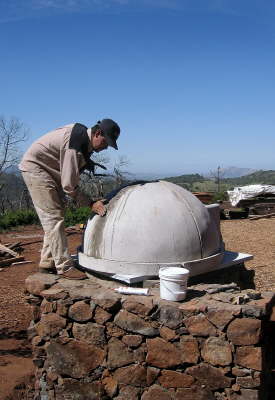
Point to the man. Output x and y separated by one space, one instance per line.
51 168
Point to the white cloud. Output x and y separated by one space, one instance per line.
20 9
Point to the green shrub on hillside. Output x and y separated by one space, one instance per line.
11 219
77 215
15 218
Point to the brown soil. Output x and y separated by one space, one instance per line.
16 366
253 237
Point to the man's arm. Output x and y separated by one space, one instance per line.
70 181
70 173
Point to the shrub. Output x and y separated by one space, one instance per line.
76 215
15 218
11 219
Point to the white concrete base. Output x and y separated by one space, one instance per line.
142 271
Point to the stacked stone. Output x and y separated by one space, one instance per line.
91 343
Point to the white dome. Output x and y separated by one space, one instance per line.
156 223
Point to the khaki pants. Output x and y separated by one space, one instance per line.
48 201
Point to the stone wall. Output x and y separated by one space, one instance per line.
91 343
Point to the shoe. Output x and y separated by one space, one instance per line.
74 274
47 267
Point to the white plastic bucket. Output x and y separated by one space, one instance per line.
173 283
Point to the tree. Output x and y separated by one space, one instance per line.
12 134
119 174
217 176
93 187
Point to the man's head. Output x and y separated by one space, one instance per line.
105 133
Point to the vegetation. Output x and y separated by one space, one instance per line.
20 217
258 177
12 219
16 206
77 215
196 182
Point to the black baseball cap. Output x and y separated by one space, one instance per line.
110 130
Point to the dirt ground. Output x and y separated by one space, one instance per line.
254 237
16 366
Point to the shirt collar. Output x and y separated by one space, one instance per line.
89 132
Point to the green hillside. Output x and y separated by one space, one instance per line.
260 177
198 183
192 182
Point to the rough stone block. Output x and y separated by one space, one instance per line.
75 358
170 316
62 309
128 392
243 394
167 333
38 282
217 351
118 354
189 350
48 306
106 299
133 323
132 340
199 325
156 392
54 294
196 392
192 307
174 379
249 357
220 318
110 386
244 331
134 375
80 292
80 311
101 316
50 325
75 390
152 374
113 330
138 305
213 378
90 332
241 371
249 382
162 354
256 308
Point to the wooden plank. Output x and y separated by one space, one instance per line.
14 245
21 262
262 216
6 249
9 261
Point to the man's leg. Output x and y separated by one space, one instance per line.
47 200
46 259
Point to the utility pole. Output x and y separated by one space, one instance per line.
218 178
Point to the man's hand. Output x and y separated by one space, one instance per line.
99 208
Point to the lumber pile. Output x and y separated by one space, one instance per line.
271 215
10 254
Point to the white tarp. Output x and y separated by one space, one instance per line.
249 192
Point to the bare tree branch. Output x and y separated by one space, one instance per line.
12 133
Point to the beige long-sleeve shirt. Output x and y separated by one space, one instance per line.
51 153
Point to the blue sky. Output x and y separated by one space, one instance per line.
191 82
